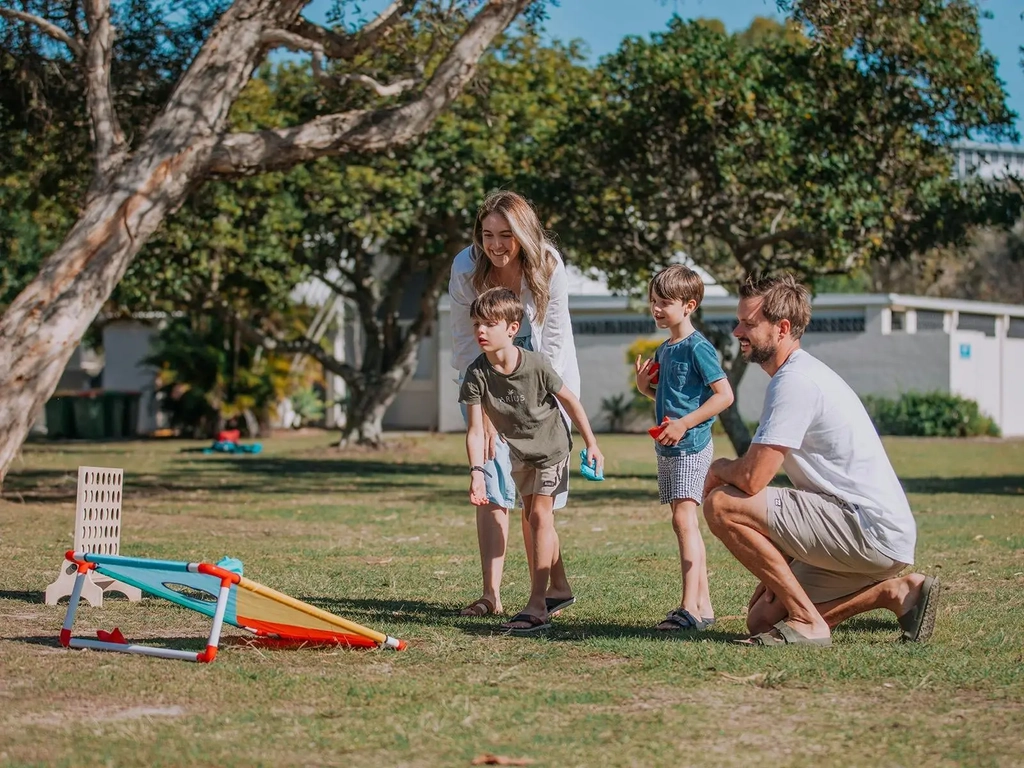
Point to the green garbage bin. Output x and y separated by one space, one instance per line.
88 409
131 413
113 414
60 416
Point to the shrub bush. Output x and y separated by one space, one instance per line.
929 414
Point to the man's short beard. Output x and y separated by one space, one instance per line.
760 354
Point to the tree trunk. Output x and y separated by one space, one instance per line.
732 422
45 323
364 420
367 404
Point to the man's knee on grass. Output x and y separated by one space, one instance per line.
763 615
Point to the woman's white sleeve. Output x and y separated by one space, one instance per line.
464 347
557 327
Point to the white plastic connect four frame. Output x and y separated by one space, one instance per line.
97 531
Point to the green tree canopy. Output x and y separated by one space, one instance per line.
754 154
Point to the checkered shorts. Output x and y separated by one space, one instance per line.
682 477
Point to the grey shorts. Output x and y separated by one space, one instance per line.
682 477
541 481
831 555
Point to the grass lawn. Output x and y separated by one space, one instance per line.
388 540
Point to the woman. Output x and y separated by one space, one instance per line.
511 250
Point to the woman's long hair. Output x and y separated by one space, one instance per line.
534 255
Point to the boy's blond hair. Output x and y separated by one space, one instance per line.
496 304
676 282
783 298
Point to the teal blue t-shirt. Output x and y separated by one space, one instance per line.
687 370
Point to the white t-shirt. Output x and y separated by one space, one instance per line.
834 448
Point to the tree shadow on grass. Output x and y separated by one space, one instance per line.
238 474
870 624
401 610
995 485
22 596
581 631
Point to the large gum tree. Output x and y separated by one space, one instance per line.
142 171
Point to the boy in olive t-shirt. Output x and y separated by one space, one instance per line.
520 393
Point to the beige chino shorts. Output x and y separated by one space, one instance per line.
541 481
831 555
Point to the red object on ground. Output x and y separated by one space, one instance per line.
653 373
113 636
229 436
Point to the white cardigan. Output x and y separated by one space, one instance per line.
551 338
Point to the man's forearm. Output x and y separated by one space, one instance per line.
733 472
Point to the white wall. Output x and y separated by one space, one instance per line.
975 370
1012 422
125 344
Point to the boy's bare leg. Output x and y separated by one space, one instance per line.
691 560
492 537
559 584
539 512
707 611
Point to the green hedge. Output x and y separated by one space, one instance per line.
929 414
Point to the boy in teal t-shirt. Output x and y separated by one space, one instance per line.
689 388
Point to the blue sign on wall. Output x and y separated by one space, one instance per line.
965 351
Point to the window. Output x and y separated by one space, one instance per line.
1016 329
930 320
853 324
984 323
898 321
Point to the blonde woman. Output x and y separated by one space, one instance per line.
511 250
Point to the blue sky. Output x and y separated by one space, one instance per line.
603 23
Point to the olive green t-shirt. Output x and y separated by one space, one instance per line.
522 407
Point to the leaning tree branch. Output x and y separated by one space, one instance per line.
254 335
109 143
47 28
239 154
282 38
337 45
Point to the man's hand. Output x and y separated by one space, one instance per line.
477 490
672 432
713 480
643 374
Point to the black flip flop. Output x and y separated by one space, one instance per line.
919 622
536 623
555 604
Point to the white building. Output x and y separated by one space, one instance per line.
882 344
989 161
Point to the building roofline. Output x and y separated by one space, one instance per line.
987 146
899 301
